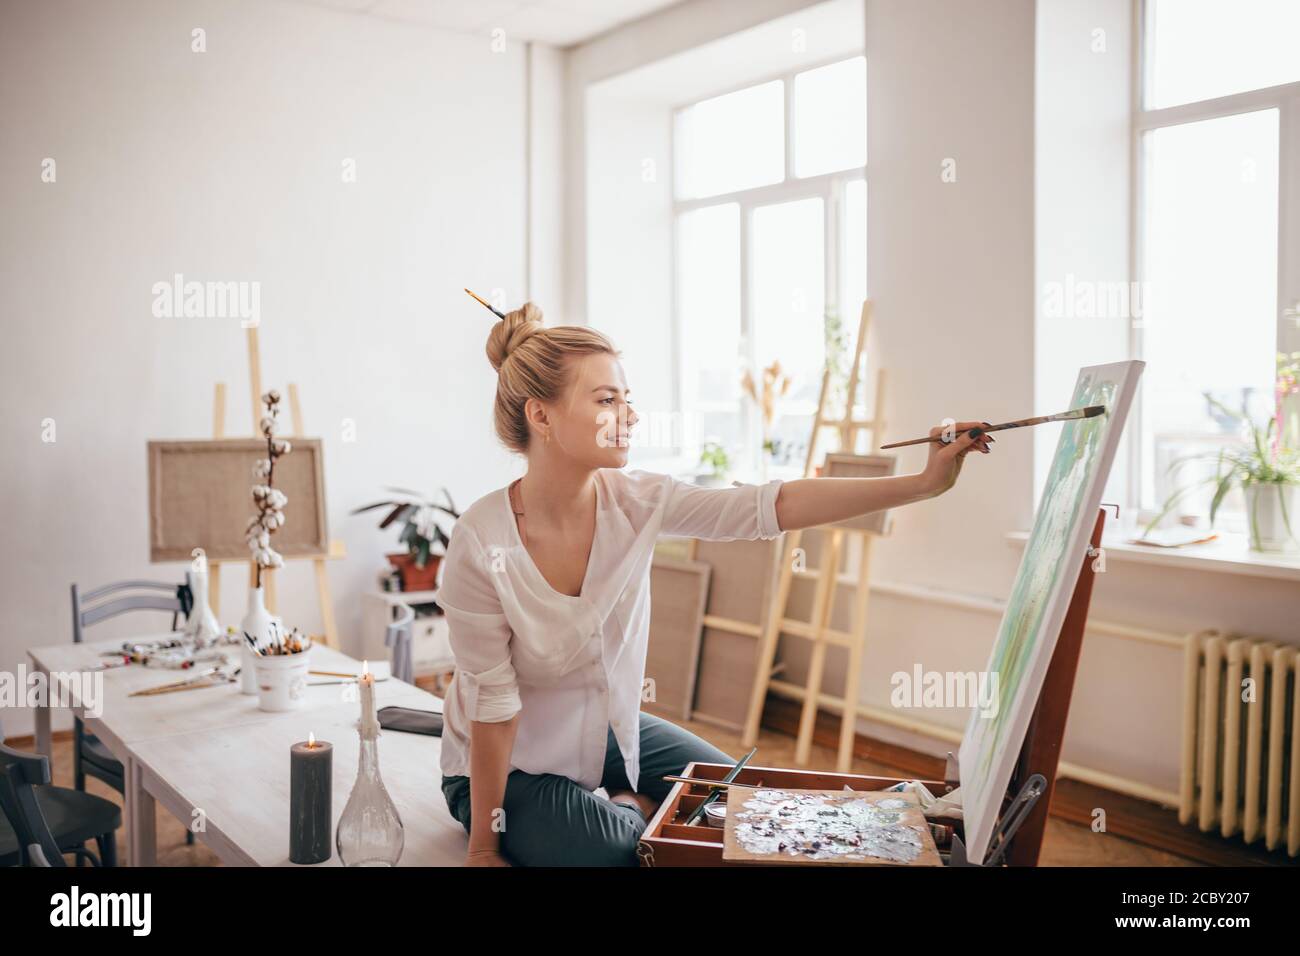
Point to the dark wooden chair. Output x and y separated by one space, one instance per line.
42 822
90 757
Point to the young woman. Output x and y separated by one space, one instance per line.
546 587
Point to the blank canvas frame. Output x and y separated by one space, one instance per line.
678 592
200 496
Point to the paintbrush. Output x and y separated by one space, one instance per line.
499 315
345 680
730 776
716 784
198 680
1090 412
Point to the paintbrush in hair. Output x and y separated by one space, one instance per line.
499 315
1090 412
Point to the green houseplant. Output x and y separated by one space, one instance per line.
1267 469
422 533
715 457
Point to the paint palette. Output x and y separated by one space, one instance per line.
835 827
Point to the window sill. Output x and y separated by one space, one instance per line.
1226 554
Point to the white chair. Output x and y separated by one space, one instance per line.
397 638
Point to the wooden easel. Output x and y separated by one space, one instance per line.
818 629
1041 751
336 551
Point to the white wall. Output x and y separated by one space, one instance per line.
952 265
226 165
1083 117
630 241
546 187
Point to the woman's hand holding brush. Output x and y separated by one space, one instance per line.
944 464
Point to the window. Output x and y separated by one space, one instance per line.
708 278
823 99
770 210
1201 49
731 142
1212 208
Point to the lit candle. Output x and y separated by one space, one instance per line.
369 721
311 789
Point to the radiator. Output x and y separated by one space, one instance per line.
1240 769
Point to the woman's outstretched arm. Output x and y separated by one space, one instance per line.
808 502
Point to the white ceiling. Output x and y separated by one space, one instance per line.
556 22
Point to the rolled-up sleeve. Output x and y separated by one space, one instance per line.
722 514
479 633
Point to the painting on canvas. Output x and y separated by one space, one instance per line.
1041 595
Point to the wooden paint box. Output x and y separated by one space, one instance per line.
668 842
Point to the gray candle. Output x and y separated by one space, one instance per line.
311 779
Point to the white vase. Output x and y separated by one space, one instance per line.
1273 516
201 627
260 624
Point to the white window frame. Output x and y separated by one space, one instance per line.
829 187
1286 100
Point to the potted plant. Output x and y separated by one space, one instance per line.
1267 470
422 533
713 455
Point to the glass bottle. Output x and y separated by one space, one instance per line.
370 831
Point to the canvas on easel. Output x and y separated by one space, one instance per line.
199 498
1041 595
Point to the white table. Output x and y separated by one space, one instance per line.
239 779
206 721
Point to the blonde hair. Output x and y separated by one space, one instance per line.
530 361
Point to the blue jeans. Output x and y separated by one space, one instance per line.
552 821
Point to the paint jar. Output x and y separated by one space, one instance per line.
716 814
282 681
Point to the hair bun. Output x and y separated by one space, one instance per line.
511 332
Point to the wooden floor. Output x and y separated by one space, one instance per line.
1065 844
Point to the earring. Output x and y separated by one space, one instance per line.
548 436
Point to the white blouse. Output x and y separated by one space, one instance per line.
571 667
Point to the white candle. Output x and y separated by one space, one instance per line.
369 722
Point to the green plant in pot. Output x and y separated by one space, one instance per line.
716 459
422 532
1267 469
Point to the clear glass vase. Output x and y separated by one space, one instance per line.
370 831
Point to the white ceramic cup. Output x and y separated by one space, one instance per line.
282 680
